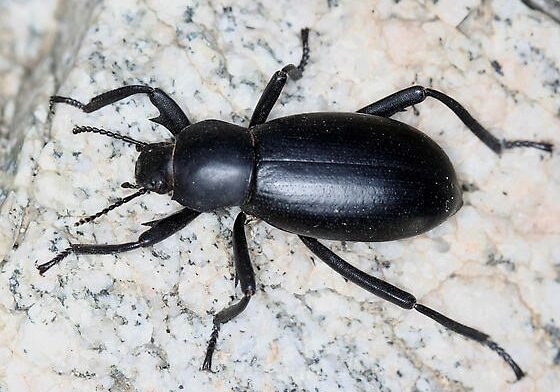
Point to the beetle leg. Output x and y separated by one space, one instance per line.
158 231
278 81
269 97
245 275
170 114
403 299
400 100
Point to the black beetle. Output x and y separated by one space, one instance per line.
340 176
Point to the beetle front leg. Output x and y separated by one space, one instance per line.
278 81
159 230
245 275
403 299
171 116
400 100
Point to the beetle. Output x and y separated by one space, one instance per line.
339 176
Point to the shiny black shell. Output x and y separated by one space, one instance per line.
212 165
349 176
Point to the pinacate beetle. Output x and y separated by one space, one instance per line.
339 176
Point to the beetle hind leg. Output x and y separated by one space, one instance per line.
404 299
400 100
245 275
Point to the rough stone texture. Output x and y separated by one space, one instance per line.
140 321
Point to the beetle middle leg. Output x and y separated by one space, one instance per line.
278 81
245 275
170 114
400 100
403 299
158 231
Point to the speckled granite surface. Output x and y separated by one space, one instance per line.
140 321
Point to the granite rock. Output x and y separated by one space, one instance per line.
140 321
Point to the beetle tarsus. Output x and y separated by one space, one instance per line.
222 317
470 333
207 364
544 146
305 49
55 260
296 73
506 357
69 101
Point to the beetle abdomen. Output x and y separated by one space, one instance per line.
349 176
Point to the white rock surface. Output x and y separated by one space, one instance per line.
140 321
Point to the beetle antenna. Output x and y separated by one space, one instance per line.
127 139
116 204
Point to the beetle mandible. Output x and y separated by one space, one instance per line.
340 176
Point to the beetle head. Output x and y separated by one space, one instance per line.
154 167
